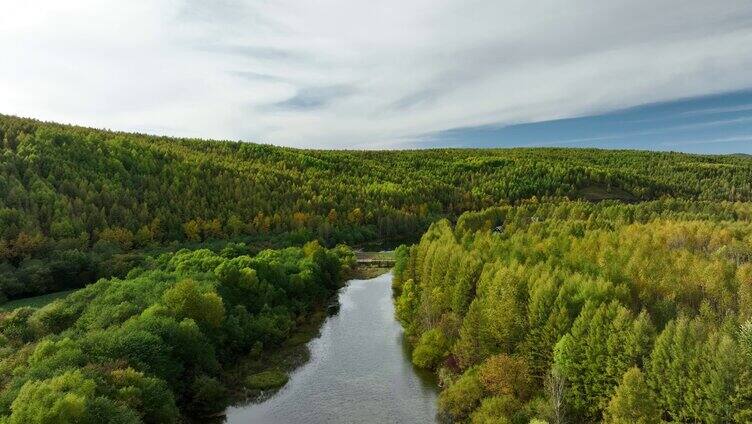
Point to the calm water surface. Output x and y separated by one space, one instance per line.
359 372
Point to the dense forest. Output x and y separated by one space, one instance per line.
580 312
77 204
549 285
159 342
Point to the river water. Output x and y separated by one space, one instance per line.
359 371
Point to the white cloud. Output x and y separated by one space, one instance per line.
356 73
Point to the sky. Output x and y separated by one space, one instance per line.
644 74
713 124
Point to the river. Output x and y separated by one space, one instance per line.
359 371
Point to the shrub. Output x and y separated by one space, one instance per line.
459 399
430 349
208 395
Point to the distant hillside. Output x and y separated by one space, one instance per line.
78 197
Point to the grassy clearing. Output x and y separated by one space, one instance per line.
597 193
265 380
34 302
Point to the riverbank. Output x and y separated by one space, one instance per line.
261 374
357 369
273 365
294 352
367 273
281 361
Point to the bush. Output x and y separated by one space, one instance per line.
430 349
459 399
498 410
15 326
208 395
505 375
151 397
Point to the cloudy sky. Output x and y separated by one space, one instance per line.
388 73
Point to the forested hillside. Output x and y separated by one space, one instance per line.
579 312
158 344
582 286
76 203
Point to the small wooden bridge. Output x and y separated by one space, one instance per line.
376 263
